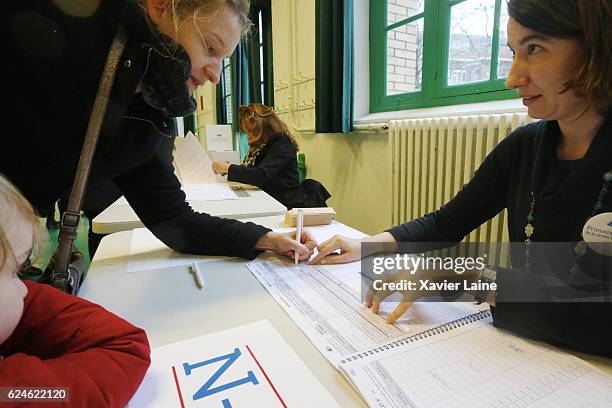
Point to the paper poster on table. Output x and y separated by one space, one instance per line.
247 366
218 138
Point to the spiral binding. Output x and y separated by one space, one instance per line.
422 335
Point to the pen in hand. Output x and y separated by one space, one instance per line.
298 233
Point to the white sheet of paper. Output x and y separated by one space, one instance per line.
218 138
326 303
200 192
193 164
231 156
323 232
149 253
247 366
209 192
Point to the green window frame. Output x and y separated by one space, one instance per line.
262 39
435 18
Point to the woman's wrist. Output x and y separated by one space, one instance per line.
383 242
266 242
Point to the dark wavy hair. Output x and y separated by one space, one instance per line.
588 21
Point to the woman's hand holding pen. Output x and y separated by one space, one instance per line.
221 168
286 244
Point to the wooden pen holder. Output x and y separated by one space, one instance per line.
312 216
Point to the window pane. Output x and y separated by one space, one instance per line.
228 108
398 10
504 60
261 63
260 27
227 73
470 42
405 58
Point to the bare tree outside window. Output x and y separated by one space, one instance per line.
467 53
470 42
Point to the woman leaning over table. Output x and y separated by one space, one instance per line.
551 175
57 50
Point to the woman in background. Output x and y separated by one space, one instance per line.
271 162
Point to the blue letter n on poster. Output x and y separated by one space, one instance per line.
207 389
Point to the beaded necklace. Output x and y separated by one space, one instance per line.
251 156
581 246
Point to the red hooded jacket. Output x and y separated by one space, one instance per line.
66 341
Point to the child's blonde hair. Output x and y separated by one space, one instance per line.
12 205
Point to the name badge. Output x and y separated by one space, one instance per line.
597 233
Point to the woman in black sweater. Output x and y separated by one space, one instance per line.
551 176
271 162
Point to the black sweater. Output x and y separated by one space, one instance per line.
275 171
56 61
563 202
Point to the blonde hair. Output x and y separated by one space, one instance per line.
265 123
13 205
183 10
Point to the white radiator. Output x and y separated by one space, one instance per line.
431 159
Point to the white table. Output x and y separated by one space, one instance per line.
119 216
167 304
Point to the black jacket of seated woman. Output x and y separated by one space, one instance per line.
271 162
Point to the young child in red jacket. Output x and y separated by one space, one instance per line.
51 339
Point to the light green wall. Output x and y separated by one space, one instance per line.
355 171
354 167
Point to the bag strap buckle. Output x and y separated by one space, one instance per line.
70 219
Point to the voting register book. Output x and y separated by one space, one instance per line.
470 363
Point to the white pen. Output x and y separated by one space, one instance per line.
298 232
195 270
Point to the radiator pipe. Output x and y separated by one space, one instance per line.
371 128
